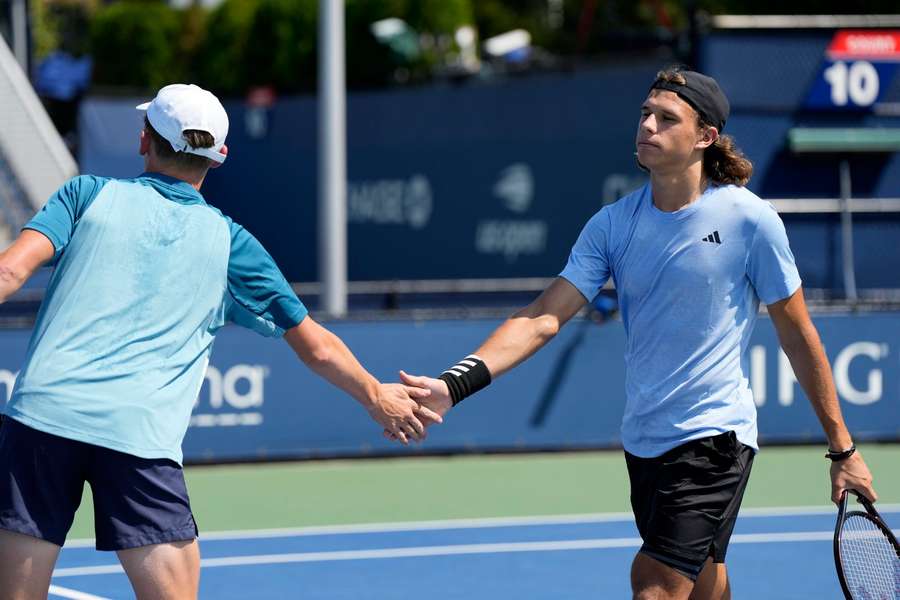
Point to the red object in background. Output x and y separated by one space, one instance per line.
875 45
586 23
260 101
261 96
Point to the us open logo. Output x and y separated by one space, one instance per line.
512 237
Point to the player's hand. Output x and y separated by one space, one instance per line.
396 409
437 403
851 474
438 400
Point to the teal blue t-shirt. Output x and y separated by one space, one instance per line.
689 284
146 273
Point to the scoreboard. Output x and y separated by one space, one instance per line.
859 65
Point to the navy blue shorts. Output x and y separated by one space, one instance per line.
137 501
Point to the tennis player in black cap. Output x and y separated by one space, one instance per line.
692 254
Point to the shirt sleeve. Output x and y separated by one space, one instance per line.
588 267
259 297
770 263
59 217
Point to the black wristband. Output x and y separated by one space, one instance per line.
466 377
842 455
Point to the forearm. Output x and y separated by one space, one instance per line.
8 286
332 360
516 339
18 262
520 336
813 372
10 281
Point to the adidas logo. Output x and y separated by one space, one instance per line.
713 237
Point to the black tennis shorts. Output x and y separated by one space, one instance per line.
686 501
137 501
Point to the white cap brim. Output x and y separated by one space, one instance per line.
207 153
143 106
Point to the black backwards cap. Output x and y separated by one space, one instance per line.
702 93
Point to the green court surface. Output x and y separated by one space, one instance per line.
256 496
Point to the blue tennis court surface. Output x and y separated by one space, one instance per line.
774 554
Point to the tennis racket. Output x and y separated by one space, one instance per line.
866 553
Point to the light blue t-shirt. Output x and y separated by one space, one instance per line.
689 284
146 273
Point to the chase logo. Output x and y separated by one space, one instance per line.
230 398
404 202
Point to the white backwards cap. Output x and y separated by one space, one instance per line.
180 107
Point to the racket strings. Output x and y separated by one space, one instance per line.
870 563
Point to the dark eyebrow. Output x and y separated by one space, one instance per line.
665 113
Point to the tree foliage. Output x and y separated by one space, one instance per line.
246 43
136 44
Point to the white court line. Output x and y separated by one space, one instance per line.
481 523
454 549
62 592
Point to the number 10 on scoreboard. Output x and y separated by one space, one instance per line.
858 67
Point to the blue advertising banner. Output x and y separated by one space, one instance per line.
260 402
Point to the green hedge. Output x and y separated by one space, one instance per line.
138 45
221 63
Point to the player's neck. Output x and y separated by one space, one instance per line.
194 178
675 190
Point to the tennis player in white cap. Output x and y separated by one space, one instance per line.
146 273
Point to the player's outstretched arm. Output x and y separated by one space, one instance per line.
801 344
393 406
520 336
21 260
